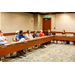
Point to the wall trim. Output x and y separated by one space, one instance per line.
7 34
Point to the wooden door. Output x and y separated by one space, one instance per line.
46 24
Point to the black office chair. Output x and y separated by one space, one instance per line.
53 34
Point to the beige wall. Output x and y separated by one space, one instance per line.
0 20
10 22
62 21
37 22
65 21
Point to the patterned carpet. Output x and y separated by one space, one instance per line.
53 53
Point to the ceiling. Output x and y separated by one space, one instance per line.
45 13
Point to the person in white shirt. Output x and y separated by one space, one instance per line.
3 39
28 35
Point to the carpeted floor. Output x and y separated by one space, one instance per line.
53 53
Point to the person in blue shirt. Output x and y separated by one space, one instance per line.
20 35
18 38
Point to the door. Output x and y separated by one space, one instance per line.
46 24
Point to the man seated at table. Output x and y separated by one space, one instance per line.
63 34
18 38
35 35
3 39
74 36
42 35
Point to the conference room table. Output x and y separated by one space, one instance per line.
11 47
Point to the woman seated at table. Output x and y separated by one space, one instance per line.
3 39
63 34
42 35
28 34
48 33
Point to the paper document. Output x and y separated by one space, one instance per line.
7 44
23 40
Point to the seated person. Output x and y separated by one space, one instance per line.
48 33
42 35
63 34
3 39
28 34
35 36
74 36
14 39
18 38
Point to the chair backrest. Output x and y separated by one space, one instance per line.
53 33
13 39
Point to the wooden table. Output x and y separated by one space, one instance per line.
17 46
65 38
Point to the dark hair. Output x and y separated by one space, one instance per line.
0 31
28 31
20 31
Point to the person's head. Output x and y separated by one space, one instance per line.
28 31
17 32
1 33
41 31
48 30
21 32
63 31
35 31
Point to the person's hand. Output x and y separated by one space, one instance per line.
3 39
6 39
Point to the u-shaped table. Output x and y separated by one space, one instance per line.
17 46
